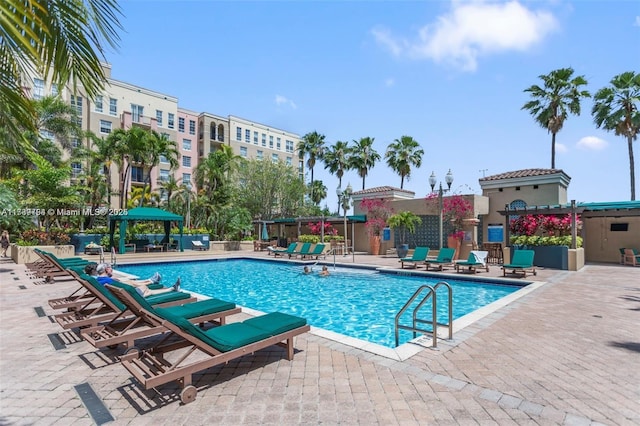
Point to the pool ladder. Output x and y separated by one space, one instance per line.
430 294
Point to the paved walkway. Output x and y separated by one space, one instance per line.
566 353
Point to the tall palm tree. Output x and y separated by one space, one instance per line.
158 145
336 160
616 108
312 145
363 157
552 103
402 154
318 192
129 147
61 39
169 187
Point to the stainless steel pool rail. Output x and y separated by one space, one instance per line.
430 294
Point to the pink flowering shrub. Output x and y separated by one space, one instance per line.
378 211
454 210
541 230
316 228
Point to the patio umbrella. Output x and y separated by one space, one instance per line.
265 232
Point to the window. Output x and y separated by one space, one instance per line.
46 134
55 90
255 138
75 142
38 88
278 144
289 161
300 166
76 102
98 103
164 175
181 124
243 151
270 141
247 136
288 145
516 204
619 227
186 179
238 133
137 112
113 106
212 131
264 140
163 159
137 174
260 155
76 170
186 161
159 117
186 144
274 158
170 120
192 127
105 126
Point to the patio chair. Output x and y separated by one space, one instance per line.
281 251
419 255
521 263
317 251
104 307
201 349
445 258
477 260
301 250
126 332
631 257
52 266
197 245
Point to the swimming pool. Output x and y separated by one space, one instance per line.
360 303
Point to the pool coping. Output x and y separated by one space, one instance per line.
414 346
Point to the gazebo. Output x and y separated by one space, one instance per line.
139 214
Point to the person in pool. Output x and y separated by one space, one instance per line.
325 271
306 270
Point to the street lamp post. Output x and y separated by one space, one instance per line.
344 197
432 182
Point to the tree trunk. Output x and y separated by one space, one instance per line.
632 168
553 150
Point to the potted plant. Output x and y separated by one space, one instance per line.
378 212
403 222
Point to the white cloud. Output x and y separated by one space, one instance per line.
472 30
592 143
561 149
281 100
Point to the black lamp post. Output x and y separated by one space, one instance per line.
432 182
345 200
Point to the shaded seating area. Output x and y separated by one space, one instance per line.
200 349
477 260
445 258
419 256
143 214
521 263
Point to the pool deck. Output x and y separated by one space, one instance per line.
567 352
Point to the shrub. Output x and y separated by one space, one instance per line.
306 238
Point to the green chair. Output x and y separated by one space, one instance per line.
477 260
303 251
419 255
631 257
521 263
317 251
281 252
445 258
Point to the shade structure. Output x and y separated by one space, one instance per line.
144 214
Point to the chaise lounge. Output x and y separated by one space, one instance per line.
201 349
419 255
477 260
197 245
445 258
521 263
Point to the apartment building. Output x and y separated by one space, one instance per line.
197 134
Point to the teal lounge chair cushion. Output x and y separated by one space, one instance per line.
148 302
276 322
196 309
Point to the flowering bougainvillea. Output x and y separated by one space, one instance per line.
454 210
316 228
550 225
378 211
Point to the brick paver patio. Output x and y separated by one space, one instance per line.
567 353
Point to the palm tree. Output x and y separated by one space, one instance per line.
552 103
363 157
402 154
312 145
169 187
318 192
61 39
616 108
129 146
335 159
212 175
158 145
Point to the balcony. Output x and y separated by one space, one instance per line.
128 120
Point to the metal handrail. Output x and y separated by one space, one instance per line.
114 260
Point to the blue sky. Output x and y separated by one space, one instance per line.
451 74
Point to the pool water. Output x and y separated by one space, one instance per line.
360 303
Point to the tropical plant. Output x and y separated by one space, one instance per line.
616 109
402 154
404 222
317 192
378 211
306 238
317 228
127 147
336 161
552 103
158 145
363 157
312 146
62 40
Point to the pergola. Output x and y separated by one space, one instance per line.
144 214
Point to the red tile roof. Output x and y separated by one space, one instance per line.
521 174
382 189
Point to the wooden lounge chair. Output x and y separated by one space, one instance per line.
197 245
631 257
445 258
477 260
201 349
52 266
126 332
301 250
104 307
419 255
281 252
521 263
316 251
